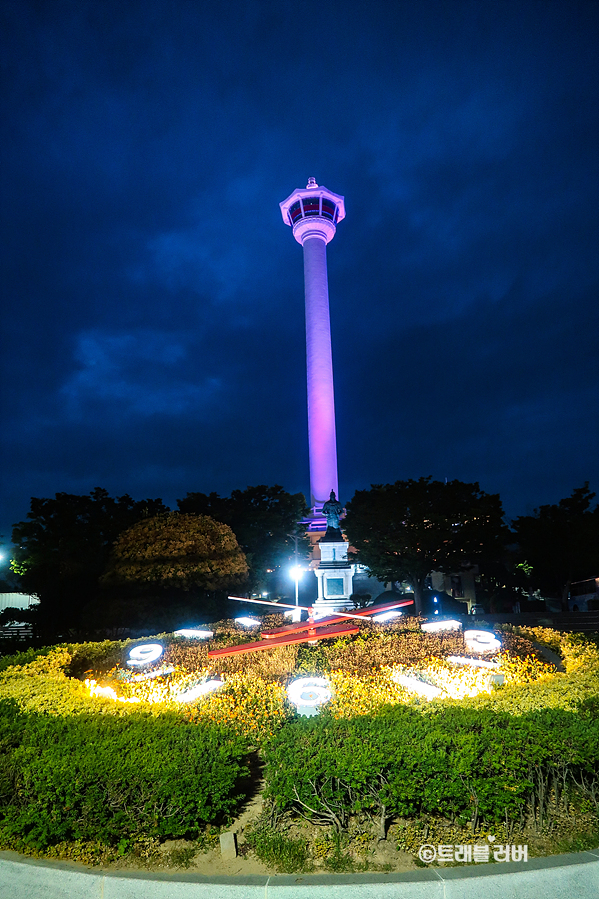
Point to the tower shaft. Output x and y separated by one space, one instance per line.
313 214
319 363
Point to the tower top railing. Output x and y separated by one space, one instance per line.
316 207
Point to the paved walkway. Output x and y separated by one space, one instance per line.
574 876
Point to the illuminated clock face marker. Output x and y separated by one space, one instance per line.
415 685
432 627
387 616
481 641
144 654
307 694
193 632
199 690
475 663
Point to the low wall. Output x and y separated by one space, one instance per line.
573 876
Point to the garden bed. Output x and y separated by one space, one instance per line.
116 778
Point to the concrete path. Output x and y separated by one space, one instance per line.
573 876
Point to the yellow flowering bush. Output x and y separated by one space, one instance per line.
362 694
411 835
425 758
251 707
545 635
459 681
523 670
252 701
579 654
361 669
166 688
368 651
43 686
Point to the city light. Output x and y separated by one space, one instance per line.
247 621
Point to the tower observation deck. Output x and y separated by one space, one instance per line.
313 214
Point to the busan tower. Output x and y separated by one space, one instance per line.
313 214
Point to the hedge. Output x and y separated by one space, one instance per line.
463 764
109 778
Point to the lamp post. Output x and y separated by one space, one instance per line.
296 572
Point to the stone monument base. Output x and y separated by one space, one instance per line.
334 574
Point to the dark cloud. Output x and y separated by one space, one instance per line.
153 326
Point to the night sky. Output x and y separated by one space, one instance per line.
153 323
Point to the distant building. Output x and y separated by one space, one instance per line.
17 601
584 595
460 586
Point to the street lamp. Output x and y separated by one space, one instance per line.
296 572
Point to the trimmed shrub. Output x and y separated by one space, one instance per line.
109 778
463 764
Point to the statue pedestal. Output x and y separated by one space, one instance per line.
334 573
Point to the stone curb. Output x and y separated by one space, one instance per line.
571 876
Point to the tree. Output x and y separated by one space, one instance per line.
177 550
559 543
62 549
403 531
264 520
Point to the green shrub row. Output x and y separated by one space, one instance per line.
463 764
108 778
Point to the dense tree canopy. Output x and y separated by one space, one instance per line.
177 550
62 548
403 531
559 543
264 520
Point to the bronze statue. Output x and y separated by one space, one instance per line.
332 510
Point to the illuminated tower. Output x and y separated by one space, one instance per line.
313 214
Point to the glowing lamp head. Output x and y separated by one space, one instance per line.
247 621
296 572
